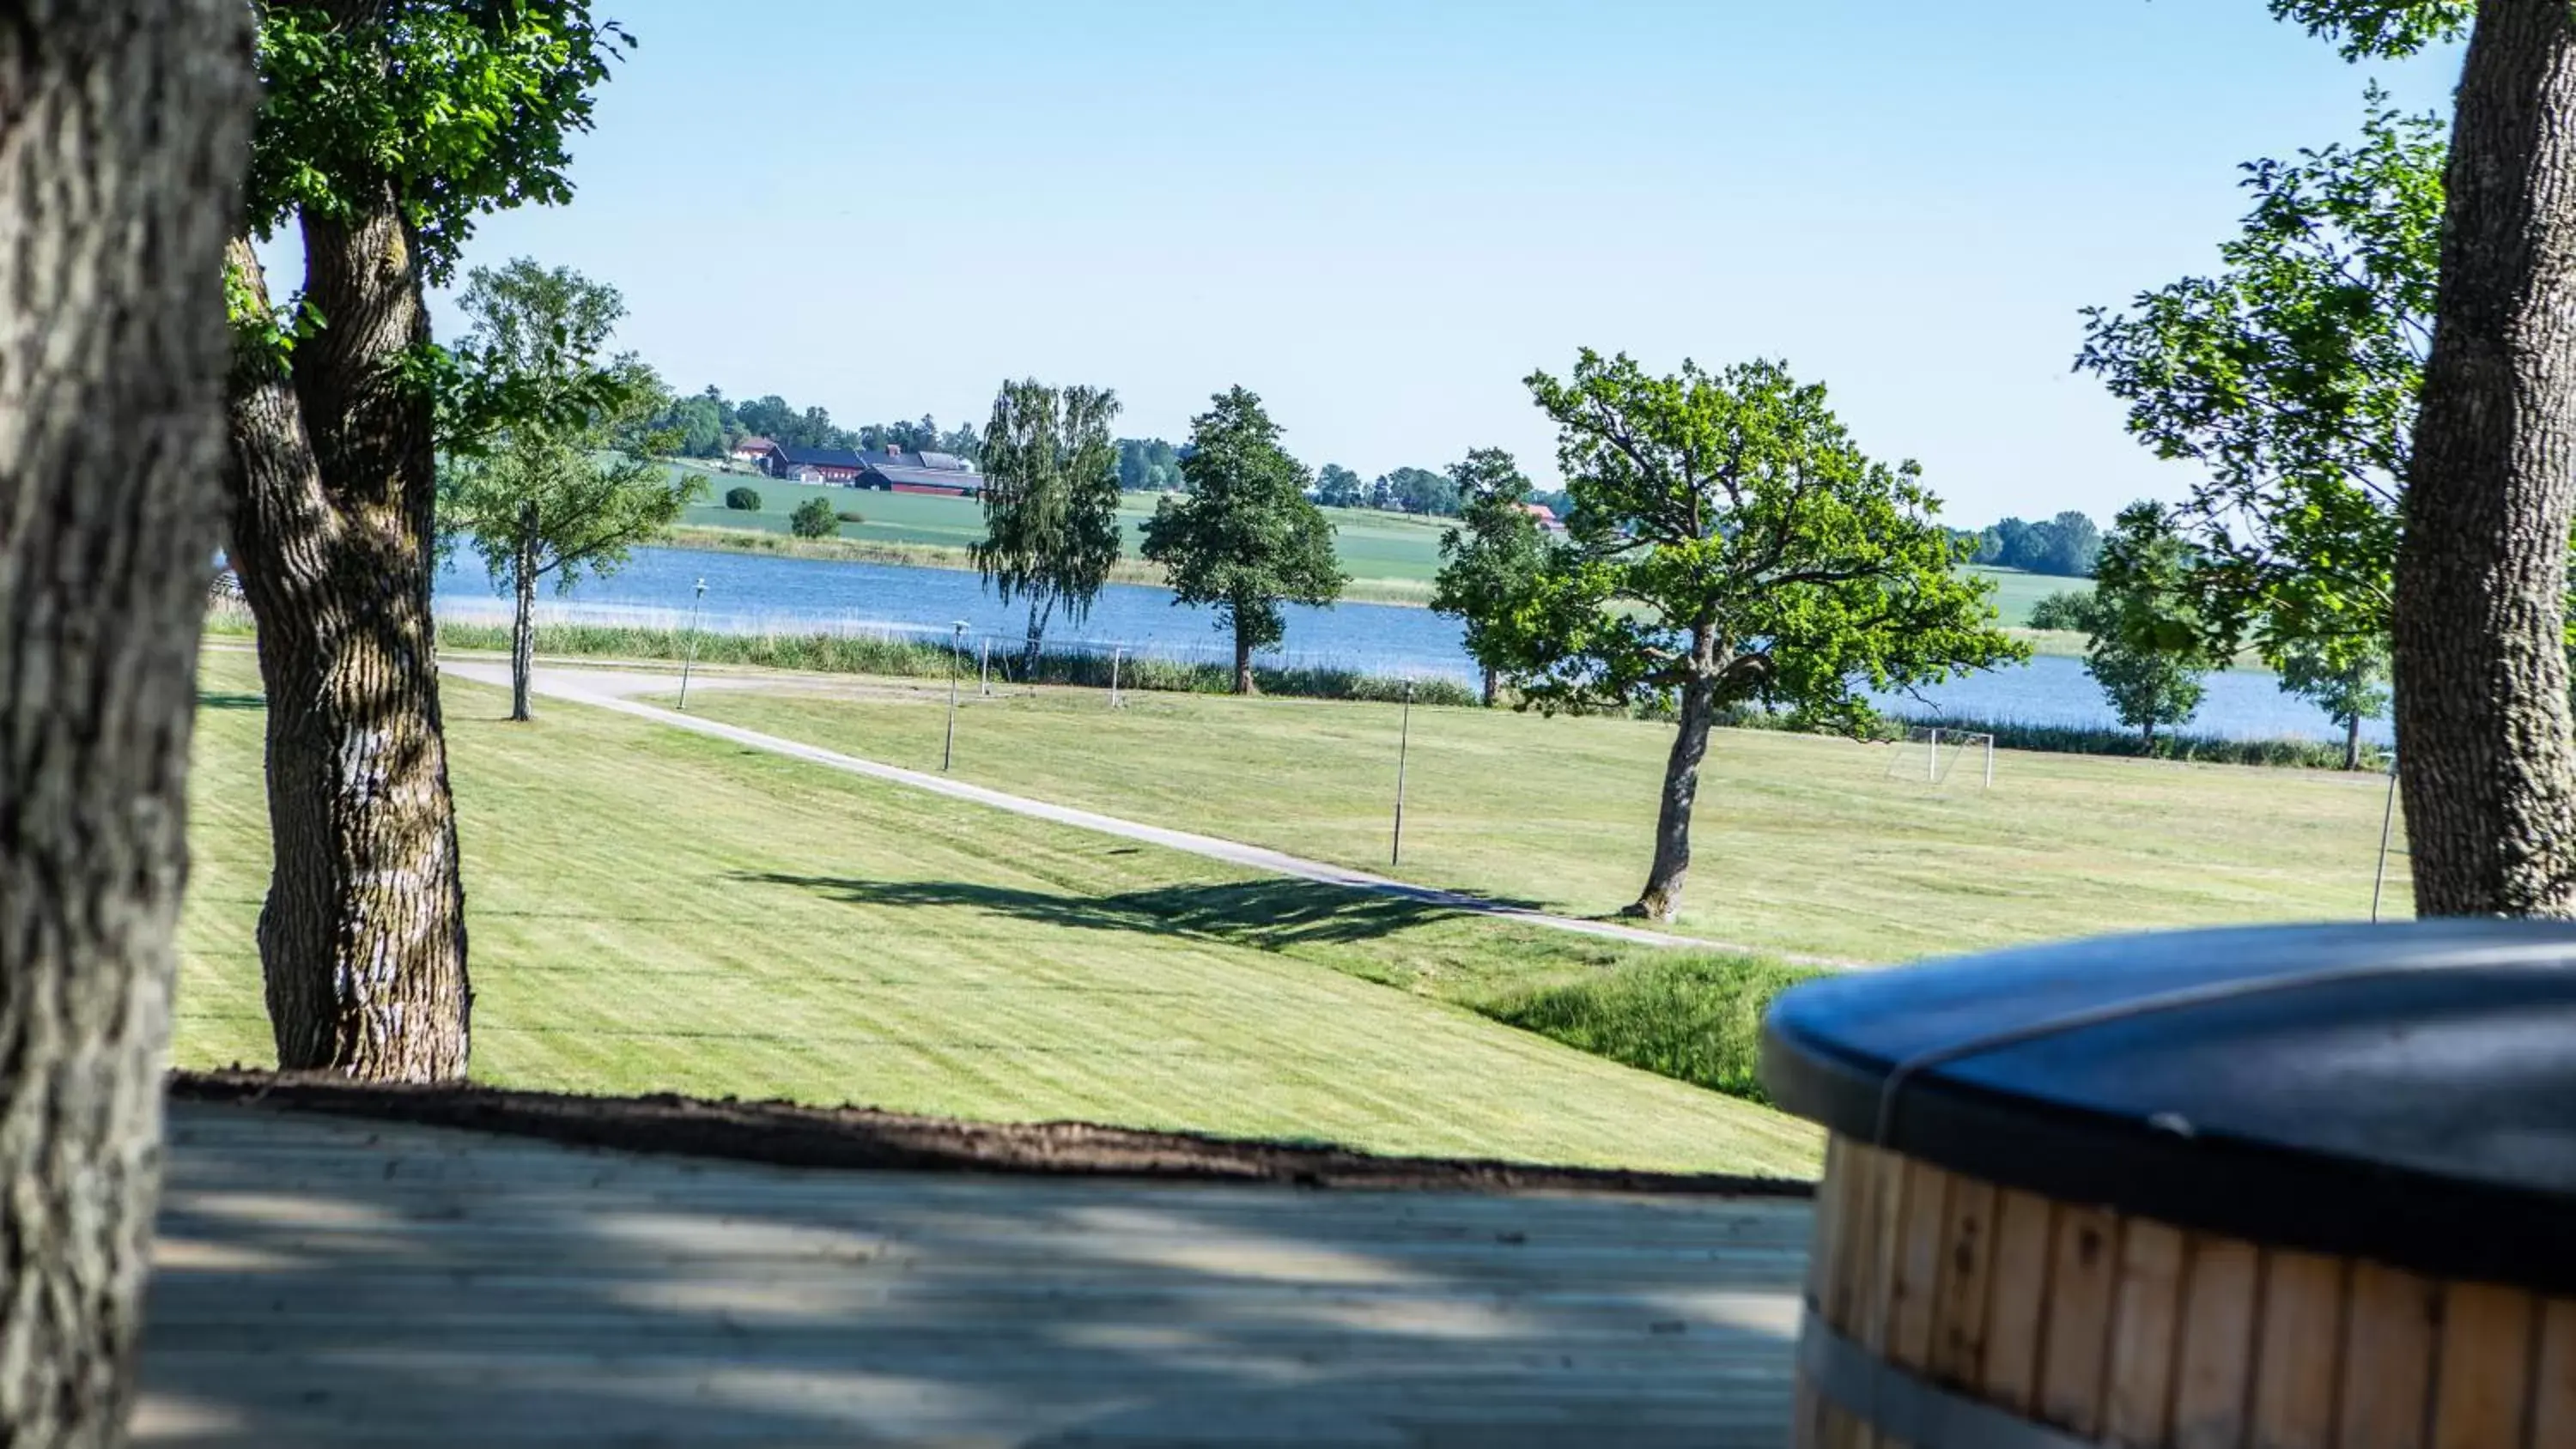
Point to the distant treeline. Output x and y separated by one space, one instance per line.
708 424
2065 545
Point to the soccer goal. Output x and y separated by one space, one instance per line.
1933 753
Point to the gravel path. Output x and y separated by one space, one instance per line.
612 689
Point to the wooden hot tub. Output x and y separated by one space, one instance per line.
2270 1188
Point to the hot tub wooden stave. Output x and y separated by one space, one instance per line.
2126 1331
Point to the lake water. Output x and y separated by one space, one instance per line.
755 592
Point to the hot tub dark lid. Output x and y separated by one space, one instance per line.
2405 1093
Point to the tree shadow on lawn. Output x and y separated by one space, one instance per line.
1271 915
207 699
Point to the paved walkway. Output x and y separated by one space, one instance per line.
326 1281
612 689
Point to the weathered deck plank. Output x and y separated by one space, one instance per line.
325 1281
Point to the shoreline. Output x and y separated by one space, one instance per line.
1393 593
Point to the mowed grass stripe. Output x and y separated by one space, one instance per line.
653 911
1802 844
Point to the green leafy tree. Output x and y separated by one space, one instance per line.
1148 465
2067 610
2346 679
1246 539
566 487
2291 378
742 500
1418 490
814 518
695 425
1732 545
1491 563
2151 647
1051 531
387 129
1339 487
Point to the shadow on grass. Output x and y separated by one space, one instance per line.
1269 915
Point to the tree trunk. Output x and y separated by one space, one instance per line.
1662 898
123 128
1041 608
1243 661
2483 726
362 938
2147 739
2352 742
1493 687
523 614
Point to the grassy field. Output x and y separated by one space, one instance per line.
1802 844
654 911
2016 591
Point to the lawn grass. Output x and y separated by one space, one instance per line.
1694 1017
1802 843
656 911
2016 591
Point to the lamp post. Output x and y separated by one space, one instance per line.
957 645
1403 746
690 662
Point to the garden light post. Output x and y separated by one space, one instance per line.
1403 745
691 660
957 646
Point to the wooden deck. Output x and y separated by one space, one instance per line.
328 1282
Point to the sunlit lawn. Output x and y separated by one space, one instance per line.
652 911
1801 844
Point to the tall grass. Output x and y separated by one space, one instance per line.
1694 1018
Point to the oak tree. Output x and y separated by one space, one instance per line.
123 127
388 128
1732 545
1246 539
2487 741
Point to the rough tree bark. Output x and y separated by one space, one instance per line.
1662 898
2486 762
362 938
123 129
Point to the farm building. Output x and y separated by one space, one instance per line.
921 473
811 465
751 448
892 471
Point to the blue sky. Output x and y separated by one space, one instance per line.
1381 216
